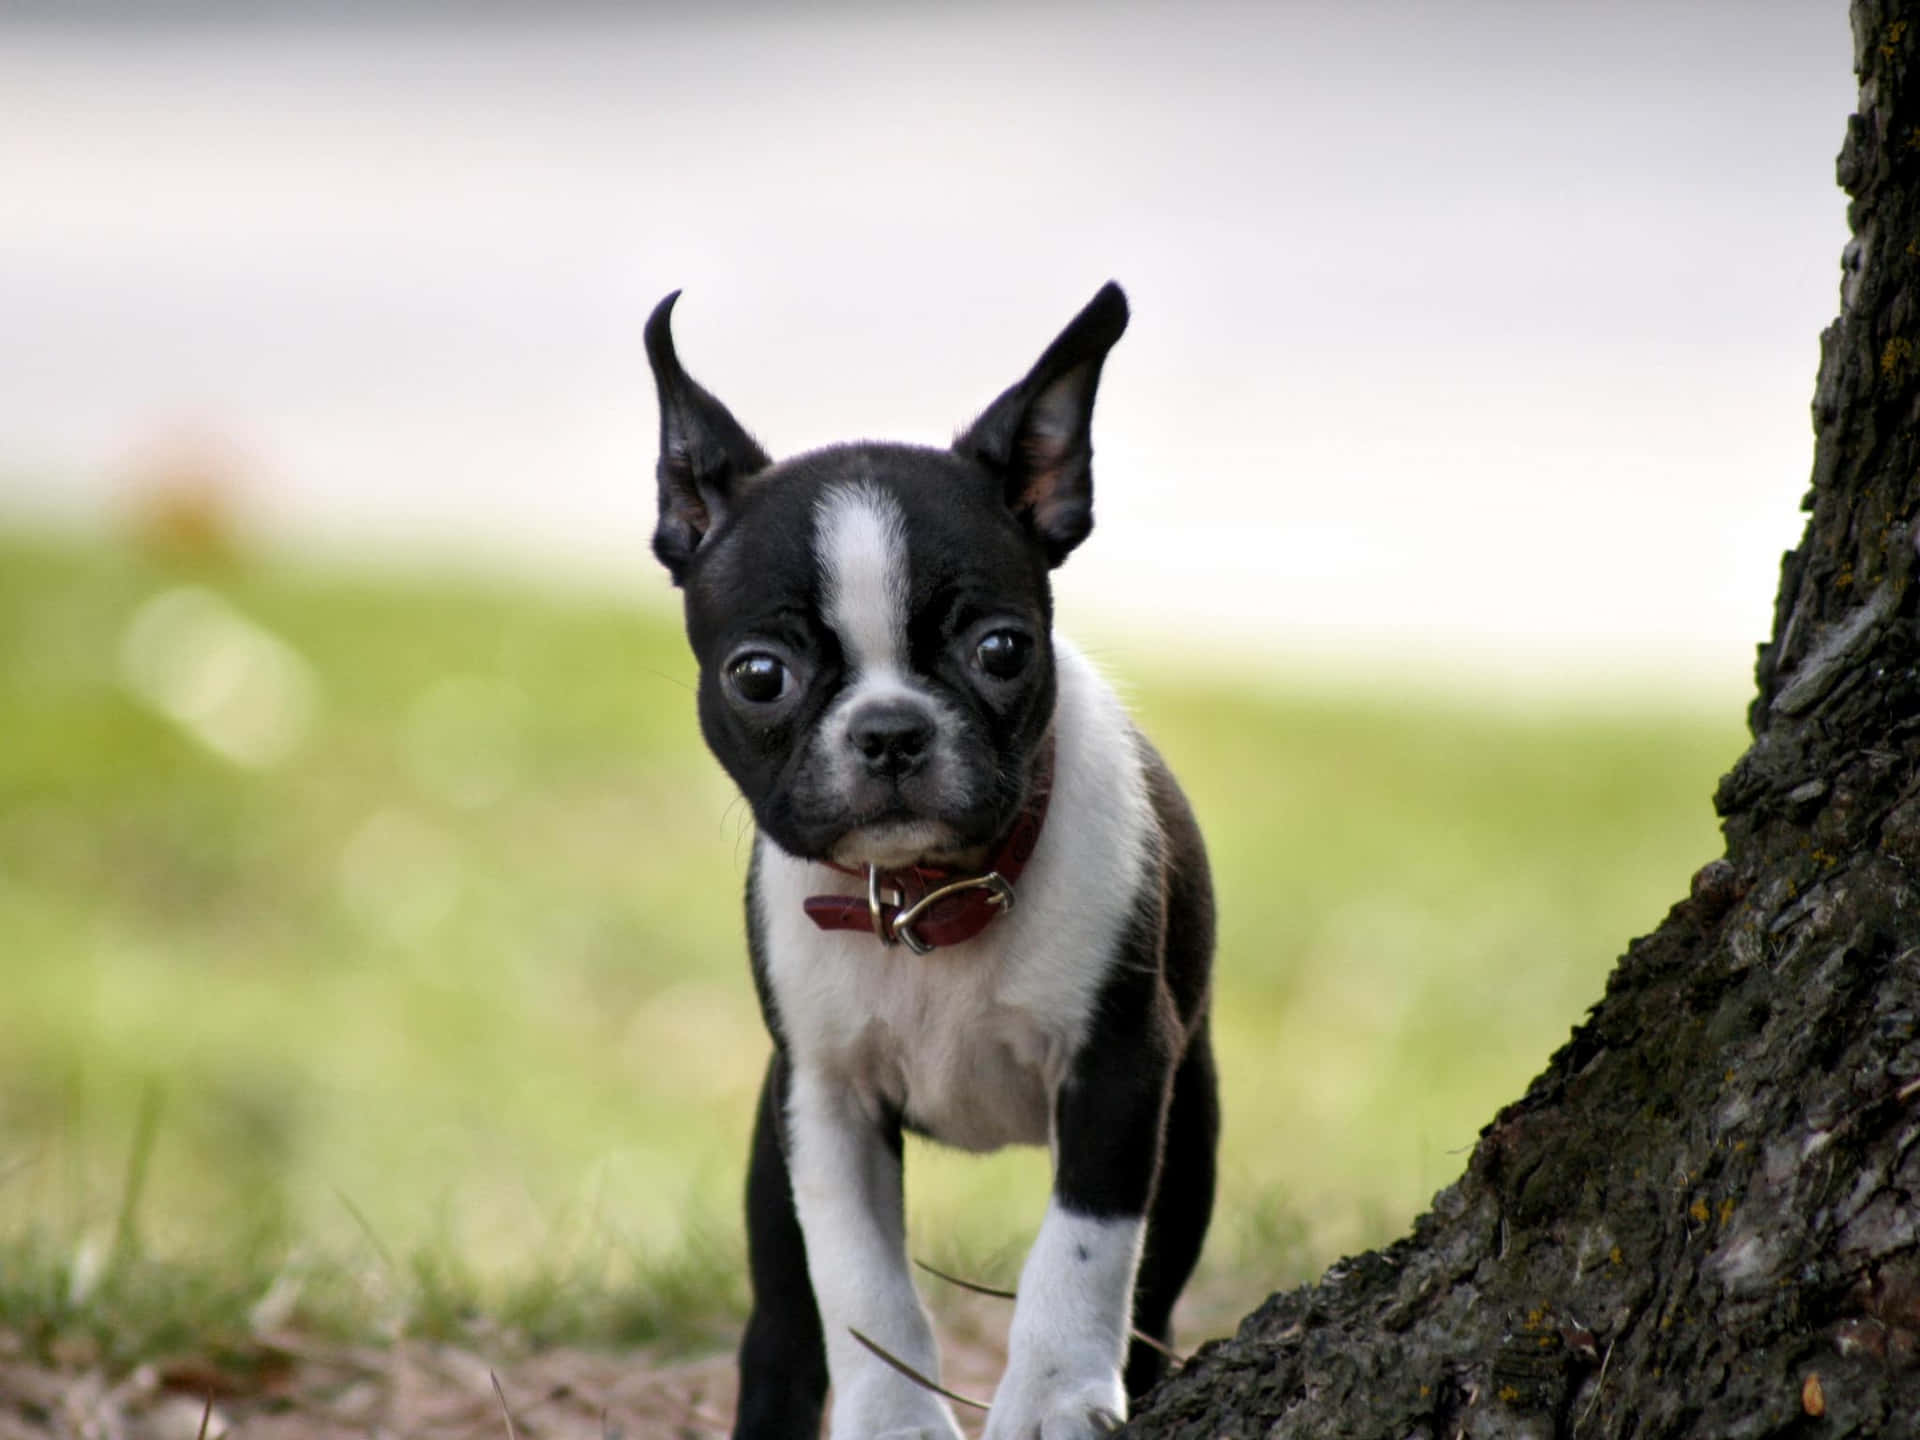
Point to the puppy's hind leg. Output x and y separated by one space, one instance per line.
1182 1206
783 1359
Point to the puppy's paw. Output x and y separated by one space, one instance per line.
896 1422
931 1424
1038 1408
1080 1421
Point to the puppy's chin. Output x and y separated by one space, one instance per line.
891 844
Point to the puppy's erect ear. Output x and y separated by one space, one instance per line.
704 452
1037 437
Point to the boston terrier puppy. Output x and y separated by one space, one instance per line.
978 906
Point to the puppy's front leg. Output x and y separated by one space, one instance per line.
1071 1323
845 1164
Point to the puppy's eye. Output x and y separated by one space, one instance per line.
759 678
1003 654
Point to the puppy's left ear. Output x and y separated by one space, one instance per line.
1037 437
705 453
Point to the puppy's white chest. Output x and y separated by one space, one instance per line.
960 1065
949 1040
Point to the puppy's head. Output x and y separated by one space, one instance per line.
873 621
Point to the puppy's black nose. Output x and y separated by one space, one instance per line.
891 737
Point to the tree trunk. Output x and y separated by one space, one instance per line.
1704 1218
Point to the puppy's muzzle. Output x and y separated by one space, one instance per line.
892 739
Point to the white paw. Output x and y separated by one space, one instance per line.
913 1415
1039 1407
938 1426
1081 1419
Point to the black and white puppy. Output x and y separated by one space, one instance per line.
978 908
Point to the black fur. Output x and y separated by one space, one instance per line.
1148 1072
781 1351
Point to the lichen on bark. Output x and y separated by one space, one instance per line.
1703 1218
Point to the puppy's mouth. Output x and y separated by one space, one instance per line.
898 838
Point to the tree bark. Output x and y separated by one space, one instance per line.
1704 1218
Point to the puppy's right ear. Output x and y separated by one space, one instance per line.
1037 437
705 454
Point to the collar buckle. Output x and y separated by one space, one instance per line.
898 928
877 901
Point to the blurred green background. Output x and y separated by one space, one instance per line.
371 952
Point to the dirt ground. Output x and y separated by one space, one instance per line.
297 1390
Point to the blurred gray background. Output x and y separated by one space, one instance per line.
1473 341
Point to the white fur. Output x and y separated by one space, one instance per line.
1070 1330
846 1190
860 539
972 1042
860 545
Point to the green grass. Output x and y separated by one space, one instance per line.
437 1006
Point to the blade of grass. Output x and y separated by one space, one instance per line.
366 1229
126 1225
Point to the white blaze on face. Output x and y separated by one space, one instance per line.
860 544
860 541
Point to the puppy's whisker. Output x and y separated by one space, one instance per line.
741 815
673 680
742 823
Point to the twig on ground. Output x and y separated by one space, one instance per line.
1598 1385
912 1374
512 1432
1152 1344
1145 1339
974 1286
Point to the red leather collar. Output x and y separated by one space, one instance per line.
928 907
